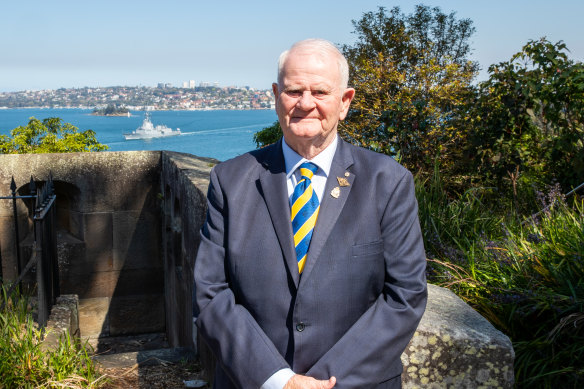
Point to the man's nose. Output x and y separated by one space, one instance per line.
306 101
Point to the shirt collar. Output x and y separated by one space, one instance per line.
323 160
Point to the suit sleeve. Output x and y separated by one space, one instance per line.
369 352
241 347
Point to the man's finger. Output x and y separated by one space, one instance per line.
331 382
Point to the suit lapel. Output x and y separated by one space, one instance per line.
275 193
330 207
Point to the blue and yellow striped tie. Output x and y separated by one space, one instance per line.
304 212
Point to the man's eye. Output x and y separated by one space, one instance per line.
319 93
294 93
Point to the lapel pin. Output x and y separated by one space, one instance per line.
336 192
343 181
347 174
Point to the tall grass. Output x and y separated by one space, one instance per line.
526 278
24 363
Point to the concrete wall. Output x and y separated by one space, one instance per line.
109 234
184 181
127 237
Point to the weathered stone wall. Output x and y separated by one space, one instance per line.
109 234
184 183
127 237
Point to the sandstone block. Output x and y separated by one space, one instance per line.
63 319
136 240
93 317
90 284
455 347
137 315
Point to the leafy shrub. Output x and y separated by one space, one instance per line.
268 135
50 135
525 278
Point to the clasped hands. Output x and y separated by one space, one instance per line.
303 382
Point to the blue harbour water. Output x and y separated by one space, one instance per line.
217 134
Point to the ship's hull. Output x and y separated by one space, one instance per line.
134 136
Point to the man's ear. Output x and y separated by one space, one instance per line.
275 89
346 99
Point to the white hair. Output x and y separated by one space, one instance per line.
323 47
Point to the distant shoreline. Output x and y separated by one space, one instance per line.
149 110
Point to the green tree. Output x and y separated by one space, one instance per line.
268 135
426 31
50 135
413 80
528 120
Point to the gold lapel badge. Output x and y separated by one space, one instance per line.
336 192
343 181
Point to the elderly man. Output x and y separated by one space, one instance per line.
310 272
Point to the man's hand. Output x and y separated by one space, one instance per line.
303 382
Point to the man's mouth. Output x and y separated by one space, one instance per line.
299 118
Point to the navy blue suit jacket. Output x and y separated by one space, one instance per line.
363 289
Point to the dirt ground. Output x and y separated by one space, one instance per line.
165 375
154 374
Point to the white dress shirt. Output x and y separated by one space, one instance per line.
323 160
293 160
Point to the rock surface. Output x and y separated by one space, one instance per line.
63 321
455 347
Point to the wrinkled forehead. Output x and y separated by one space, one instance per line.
312 59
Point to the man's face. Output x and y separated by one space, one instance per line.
309 99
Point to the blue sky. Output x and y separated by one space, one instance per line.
64 43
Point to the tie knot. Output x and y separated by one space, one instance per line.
307 170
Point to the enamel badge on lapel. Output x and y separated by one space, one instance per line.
336 192
343 181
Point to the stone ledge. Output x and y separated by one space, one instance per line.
195 169
455 347
64 318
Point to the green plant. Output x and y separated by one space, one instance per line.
413 79
528 120
268 135
545 314
25 364
49 136
452 225
525 278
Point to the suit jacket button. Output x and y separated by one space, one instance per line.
300 327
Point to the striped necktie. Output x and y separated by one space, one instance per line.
304 212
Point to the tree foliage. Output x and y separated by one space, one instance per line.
413 81
268 135
50 135
529 118
426 34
